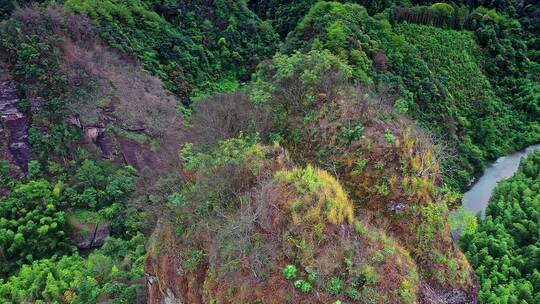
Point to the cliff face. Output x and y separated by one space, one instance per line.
121 111
105 141
166 280
15 126
129 116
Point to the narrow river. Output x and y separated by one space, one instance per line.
477 198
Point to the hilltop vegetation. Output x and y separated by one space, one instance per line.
248 222
425 67
387 165
265 151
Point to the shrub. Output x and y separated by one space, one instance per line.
389 136
304 286
194 259
463 220
353 134
407 293
360 228
383 189
289 84
368 275
5 179
225 116
360 164
334 286
353 294
289 272
309 181
34 170
99 185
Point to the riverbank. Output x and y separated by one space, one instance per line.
477 198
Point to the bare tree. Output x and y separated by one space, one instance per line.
226 116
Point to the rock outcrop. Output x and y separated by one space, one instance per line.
16 125
89 234
430 295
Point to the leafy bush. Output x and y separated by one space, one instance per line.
353 294
353 134
194 259
304 286
277 83
98 185
289 272
5 179
368 275
334 286
225 116
389 136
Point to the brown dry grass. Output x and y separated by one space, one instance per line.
265 214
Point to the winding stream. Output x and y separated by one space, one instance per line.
477 198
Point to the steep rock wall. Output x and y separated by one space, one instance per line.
15 125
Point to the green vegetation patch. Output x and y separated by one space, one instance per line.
504 249
194 47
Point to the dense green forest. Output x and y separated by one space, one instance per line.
270 151
505 249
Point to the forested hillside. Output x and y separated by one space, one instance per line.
493 110
505 250
227 151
